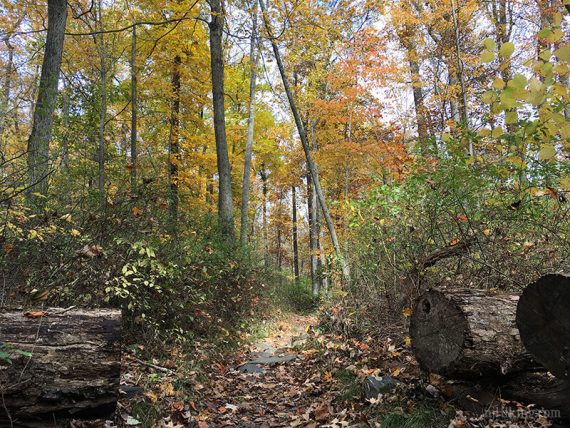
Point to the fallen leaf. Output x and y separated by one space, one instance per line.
37 314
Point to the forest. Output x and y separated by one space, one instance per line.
299 213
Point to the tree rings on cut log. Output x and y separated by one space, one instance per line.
467 334
543 319
59 364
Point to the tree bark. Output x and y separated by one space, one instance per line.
102 111
250 129
6 93
313 237
461 77
467 334
543 319
225 199
65 364
295 235
65 136
173 146
134 152
539 389
263 175
38 143
305 143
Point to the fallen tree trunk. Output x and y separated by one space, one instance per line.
540 389
543 319
59 364
467 334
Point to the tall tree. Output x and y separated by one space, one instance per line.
250 129
102 149
173 146
134 153
295 233
38 143
225 199
305 143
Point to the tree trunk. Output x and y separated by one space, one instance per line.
134 153
541 390
38 143
6 93
65 136
305 143
225 200
173 147
65 364
543 319
467 334
295 235
102 111
263 175
313 237
250 129
460 76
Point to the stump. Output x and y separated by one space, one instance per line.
62 364
543 319
467 334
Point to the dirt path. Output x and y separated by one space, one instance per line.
275 385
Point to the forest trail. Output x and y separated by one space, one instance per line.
273 383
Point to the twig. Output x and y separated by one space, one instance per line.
154 366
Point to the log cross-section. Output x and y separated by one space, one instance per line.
467 334
543 318
62 364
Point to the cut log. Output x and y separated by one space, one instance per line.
538 388
543 319
62 364
467 334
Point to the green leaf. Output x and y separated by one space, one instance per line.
488 97
511 117
563 53
498 83
4 356
487 56
490 44
497 132
22 352
545 55
508 98
544 33
506 50
547 152
518 82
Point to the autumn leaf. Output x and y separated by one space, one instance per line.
35 314
407 312
137 212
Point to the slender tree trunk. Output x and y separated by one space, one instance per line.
38 143
102 112
134 152
295 234
250 129
263 175
173 147
225 200
313 236
279 258
65 136
6 93
461 77
304 141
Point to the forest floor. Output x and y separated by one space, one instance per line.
292 375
